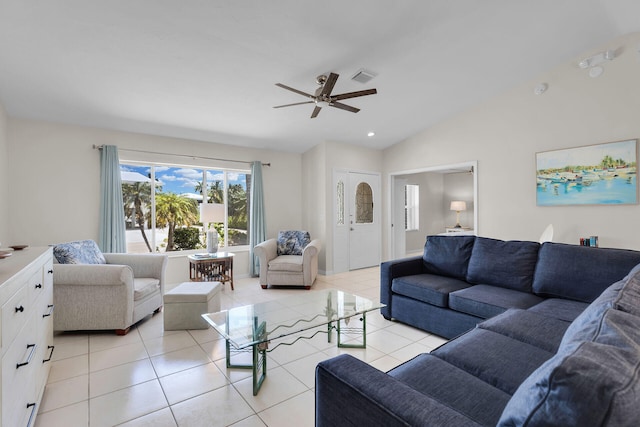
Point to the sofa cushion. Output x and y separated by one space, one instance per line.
292 242
144 286
505 264
529 327
594 383
558 308
487 301
429 288
291 263
587 324
448 255
494 358
567 271
452 386
628 299
78 252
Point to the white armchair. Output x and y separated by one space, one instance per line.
283 263
111 295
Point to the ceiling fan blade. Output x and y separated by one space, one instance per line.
299 92
344 107
354 94
291 105
316 111
329 84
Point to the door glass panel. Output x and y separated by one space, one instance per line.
364 204
340 202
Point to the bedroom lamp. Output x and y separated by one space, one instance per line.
209 213
457 205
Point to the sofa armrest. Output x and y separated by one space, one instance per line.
143 265
310 261
93 275
389 270
265 251
351 392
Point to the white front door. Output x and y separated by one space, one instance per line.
364 220
357 225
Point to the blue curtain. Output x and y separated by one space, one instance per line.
112 226
257 223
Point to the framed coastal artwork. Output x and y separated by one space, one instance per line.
602 174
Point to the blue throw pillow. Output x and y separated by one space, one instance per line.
592 384
504 264
448 255
292 242
629 297
79 252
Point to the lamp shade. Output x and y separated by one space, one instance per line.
211 212
458 205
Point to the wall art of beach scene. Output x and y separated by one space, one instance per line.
591 175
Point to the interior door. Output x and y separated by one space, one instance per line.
397 224
364 220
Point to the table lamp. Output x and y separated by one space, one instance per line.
458 205
211 212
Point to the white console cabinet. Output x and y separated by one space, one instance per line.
26 333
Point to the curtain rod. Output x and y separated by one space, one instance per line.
99 147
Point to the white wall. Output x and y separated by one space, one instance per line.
458 186
55 179
4 181
504 134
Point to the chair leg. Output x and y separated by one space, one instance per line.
123 331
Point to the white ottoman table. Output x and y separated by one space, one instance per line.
184 305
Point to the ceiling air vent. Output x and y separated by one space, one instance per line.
363 76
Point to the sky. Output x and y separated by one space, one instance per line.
182 180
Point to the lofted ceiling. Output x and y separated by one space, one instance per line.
206 69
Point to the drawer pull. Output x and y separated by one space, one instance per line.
51 347
19 309
33 411
33 350
50 271
39 286
50 307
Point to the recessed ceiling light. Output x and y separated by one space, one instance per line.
370 134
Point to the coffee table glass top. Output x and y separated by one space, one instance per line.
258 323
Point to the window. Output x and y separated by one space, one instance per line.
340 202
411 207
364 204
165 217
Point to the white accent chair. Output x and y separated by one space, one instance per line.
113 295
283 269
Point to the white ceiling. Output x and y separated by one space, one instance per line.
206 69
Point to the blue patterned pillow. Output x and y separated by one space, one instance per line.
292 242
79 252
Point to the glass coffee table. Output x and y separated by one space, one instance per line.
253 328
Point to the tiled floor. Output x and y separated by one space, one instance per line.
179 378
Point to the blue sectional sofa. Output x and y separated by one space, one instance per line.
550 335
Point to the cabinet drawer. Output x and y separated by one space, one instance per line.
15 314
19 375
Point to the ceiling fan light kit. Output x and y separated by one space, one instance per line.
322 96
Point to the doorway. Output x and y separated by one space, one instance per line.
357 220
439 186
